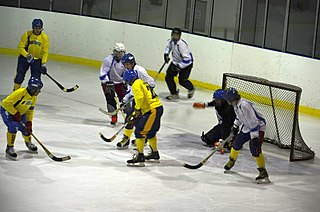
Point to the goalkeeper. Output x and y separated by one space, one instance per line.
225 115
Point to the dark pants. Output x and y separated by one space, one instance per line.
183 77
216 133
254 144
110 94
148 124
23 67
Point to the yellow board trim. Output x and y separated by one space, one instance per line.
199 84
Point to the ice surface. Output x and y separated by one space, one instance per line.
97 178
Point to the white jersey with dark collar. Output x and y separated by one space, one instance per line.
181 54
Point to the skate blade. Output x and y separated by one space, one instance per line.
153 161
32 152
263 181
11 158
141 164
121 148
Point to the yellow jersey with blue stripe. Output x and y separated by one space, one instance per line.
36 45
20 101
144 96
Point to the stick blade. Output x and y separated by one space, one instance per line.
58 159
192 167
71 89
104 138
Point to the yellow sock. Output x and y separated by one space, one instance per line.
153 143
11 138
140 144
234 153
260 161
128 132
16 86
26 138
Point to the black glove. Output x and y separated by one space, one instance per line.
43 69
110 87
166 58
234 130
137 113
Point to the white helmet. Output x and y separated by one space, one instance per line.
119 47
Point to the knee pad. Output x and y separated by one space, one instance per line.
255 147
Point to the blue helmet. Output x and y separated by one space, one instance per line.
37 23
34 84
129 76
218 94
231 94
128 58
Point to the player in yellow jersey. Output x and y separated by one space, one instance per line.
19 107
147 114
33 48
129 62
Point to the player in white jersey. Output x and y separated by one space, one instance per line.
111 73
182 63
253 126
129 62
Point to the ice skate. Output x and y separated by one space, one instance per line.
230 164
10 153
114 119
191 93
153 156
31 147
173 97
263 176
124 143
137 160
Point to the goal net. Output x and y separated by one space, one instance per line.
279 104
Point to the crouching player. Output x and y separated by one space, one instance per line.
17 108
252 130
225 115
147 115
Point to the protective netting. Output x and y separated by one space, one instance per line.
279 103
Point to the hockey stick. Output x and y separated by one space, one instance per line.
131 118
113 137
61 87
116 111
156 77
46 150
117 102
49 153
209 156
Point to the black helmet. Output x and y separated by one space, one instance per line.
176 31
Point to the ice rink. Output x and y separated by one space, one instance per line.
98 179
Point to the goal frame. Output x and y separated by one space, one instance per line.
307 152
